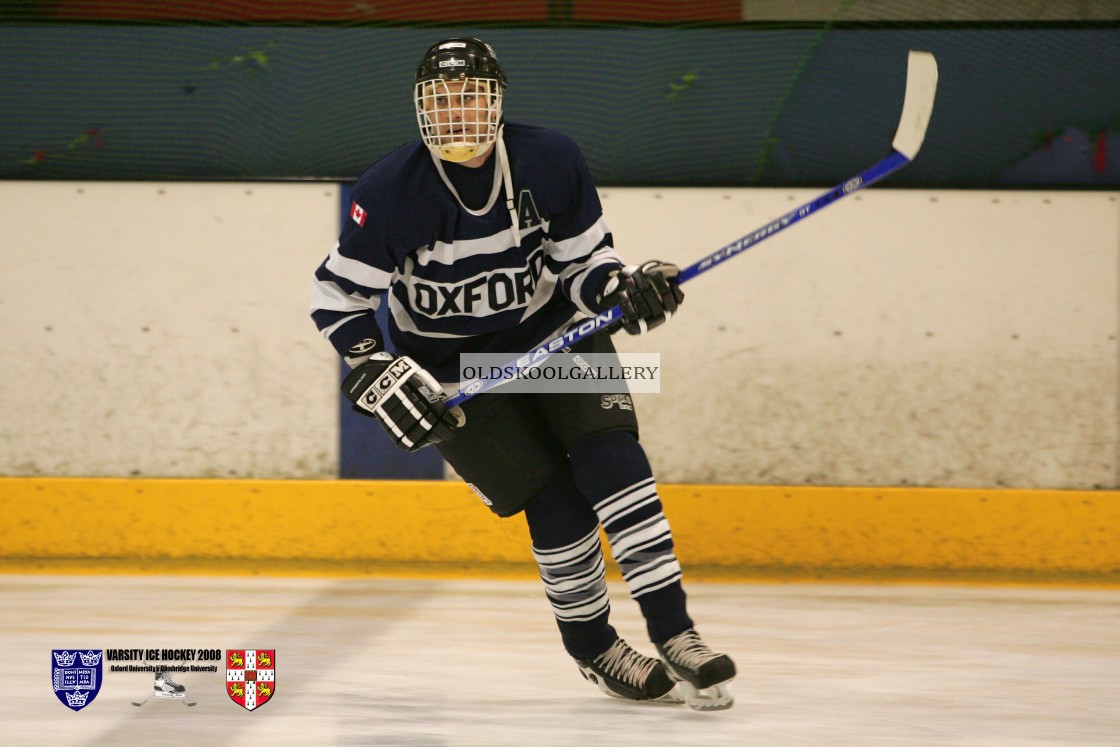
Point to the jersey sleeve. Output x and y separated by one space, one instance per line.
581 248
351 283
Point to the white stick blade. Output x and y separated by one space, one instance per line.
921 88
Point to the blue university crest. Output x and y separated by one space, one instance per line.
76 676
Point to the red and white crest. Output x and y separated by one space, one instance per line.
250 676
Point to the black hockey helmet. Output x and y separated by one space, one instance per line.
452 59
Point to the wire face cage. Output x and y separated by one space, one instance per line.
458 118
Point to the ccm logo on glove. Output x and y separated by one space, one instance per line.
406 399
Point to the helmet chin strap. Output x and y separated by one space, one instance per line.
508 179
502 177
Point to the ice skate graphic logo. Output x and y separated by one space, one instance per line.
76 676
165 687
250 676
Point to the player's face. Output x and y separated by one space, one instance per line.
461 111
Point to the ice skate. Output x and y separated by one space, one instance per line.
702 673
622 672
166 687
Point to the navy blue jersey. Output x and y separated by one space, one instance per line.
451 271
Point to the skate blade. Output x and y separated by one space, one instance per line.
714 698
673 697
669 698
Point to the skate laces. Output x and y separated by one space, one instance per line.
686 649
624 663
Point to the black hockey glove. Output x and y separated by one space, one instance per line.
404 398
648 295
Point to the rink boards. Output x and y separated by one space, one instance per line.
964 339
947 338
322 527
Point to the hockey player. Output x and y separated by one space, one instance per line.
488 237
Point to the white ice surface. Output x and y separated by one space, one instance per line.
410 662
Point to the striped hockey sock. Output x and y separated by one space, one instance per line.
612 471
640 539
575 579
566 547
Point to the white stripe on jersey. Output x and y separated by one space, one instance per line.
328 331
358 272
449 254
476 296
484 300
327 296
582 245
546 287
405 324
602 256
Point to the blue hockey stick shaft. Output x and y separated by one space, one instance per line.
917 106
879 171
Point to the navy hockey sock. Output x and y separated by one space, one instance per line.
613 473
565 533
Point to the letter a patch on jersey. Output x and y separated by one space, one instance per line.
527 214
357 214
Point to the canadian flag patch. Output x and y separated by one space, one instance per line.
357 214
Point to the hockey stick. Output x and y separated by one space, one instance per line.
179 696
917 106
